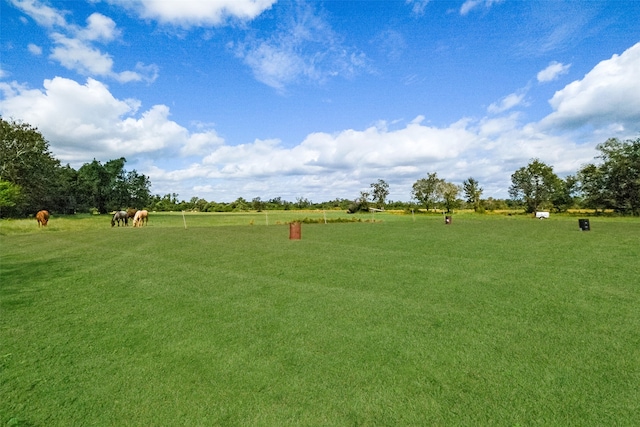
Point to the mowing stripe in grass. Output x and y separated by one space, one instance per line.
485 321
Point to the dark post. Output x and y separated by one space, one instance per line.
584 224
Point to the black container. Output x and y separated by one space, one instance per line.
584 224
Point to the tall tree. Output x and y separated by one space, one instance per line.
138 189
93 186
257 204
620 173
563 195
9 195
117 191
472 192
379 193
66 191
109 187
359 204
450 193
534 185
592 187
26 162
428 190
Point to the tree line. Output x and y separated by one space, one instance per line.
613 183
32 179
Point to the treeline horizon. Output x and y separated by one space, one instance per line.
32 179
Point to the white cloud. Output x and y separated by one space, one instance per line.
44 15
304 47
99 28
34 49
142 73
552 72
77 55
201 143
469 5
607 94
418 6
75 47
508 102
324 166
188 13
274 66
83 122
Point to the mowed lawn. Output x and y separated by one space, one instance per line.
492 320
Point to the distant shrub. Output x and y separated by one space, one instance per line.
328 220
331 220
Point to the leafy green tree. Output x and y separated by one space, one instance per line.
303 203
93 186
472 192
109 187
26 162
198 204
138 190
593 188
450 193
379 193
240 204
534 185
428 191
66 200
339 203
9 194
491 204
562 197
166 203
619 174
117 191
359 204
257 204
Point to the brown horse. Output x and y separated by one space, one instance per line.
43 218
131 212
140 218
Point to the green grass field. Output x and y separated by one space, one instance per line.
492 320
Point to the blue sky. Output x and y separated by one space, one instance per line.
223 99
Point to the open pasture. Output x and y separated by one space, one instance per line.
83 222
403 321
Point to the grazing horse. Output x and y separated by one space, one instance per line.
119 216
140 218
131 212
43 218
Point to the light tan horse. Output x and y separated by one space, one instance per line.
141 218
43 218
